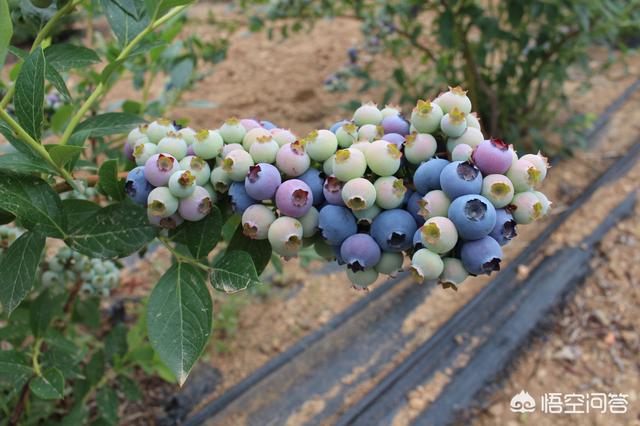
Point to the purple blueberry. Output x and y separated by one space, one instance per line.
473 215
505 228
315 179
413 207
395 138
460 178
137 187
393 230
196 206
360 251
262 181
128 151
493 156
159 168
249 123
294 198
240 200
336 224
427 176
332 191
395 124
481 256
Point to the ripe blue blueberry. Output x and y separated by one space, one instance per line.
359 252
473 215
336 224
393 230
427 176
413 207
460 178
505 228
137 187
481 256
240 200
314 178
262 181
335 126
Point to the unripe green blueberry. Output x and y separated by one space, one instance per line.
498 189
142 152
213 195
161 203
256 221
57 264
252 135
390 110
42 4
361 146
349 164
158 129
188 134
88 275
462 152
171 222
283 136
358 194
347 135
383 158
367 114
390 192
523 175
472 137
207 144
138 133
327 166
50 279
370 132
390 263
426 265
198 167
323 249
546 204
473 121
321 144
434 203
439 234
419 147
454 123
264 150
363 278
453 272
540 162
292 159
365 217
220 179
173 144
182 183
285 236
426 117
232 131
456 97
310 222
237 164
226 149
526 207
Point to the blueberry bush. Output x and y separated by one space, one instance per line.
83 191
514 56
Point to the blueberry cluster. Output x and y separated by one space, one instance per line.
367 191
96 275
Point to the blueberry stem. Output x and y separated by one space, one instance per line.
180 257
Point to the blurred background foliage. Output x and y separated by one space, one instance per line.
514 57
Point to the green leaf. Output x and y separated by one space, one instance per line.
202 236
61 117
64 57
179 318
125 25
6 30
110 123
129 388
58 82
158 8
42 311
116 344
15 368
234 272
109 182
32 200
78 211
180 74
62 154
19 265
107 402
50 385
117 230
94 370
87 312
260 250
29 96
23 163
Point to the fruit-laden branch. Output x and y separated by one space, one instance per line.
91 180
